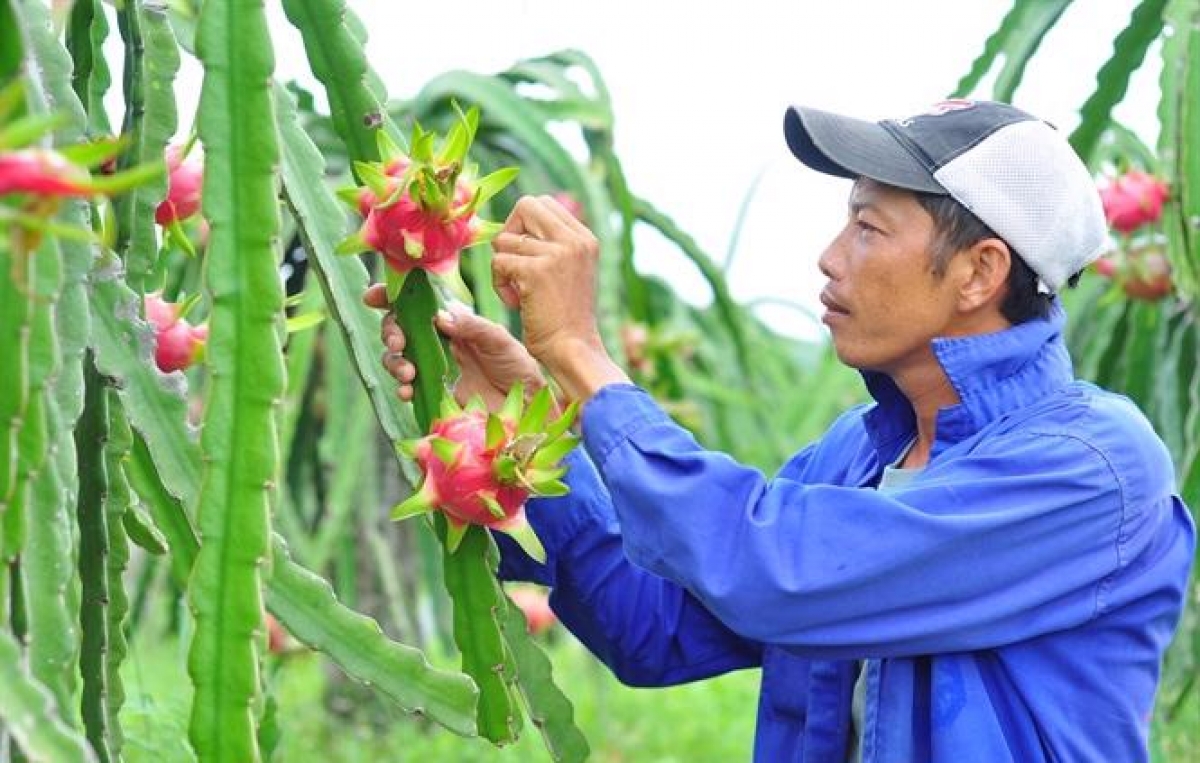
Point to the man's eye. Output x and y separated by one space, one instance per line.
865 227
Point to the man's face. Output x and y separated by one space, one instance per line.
884 303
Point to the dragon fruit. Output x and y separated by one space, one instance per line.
184 184
419 207
1133 200
177 343
480 468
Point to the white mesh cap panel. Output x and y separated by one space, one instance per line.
1029 186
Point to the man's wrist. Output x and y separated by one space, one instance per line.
582 367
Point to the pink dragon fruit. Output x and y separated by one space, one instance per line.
184 184
177 343
419 208
480 468
1133 200
42 172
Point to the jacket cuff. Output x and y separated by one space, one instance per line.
613 414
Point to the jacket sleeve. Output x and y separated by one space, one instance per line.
649 631
974 554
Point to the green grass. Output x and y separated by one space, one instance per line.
319 716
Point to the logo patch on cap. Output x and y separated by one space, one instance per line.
938 109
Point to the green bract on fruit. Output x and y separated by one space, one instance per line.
420 206
480 468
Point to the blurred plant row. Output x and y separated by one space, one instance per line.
194 411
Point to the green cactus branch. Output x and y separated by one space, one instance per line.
27 711
246 378
151 62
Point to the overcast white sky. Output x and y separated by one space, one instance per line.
699 90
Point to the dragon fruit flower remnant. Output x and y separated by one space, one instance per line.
420 206
42 172
479 468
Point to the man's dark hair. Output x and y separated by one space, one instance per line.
956 228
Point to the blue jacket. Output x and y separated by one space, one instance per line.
1013 603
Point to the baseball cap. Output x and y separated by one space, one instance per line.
1015 172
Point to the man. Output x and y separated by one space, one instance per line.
986 564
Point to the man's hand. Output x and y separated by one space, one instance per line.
489 358
545 264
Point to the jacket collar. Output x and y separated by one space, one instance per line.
992 373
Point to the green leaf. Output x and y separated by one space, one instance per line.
321 224
27 711
552 452
414 311
551 488
417 503
306 605
446 451
335 54
151 62
1112 81
374 178
1013 44
514 403
494 183
495 432
493 506
534 419
1179 115
140 529
469 567
93 564
455 532
563 422
549 709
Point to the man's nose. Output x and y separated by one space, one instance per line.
829 261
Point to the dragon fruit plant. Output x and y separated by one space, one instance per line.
419 206
480 467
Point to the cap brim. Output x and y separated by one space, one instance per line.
852 148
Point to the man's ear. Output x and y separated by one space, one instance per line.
986 265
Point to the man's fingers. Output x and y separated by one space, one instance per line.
464 328
534 216
555 207
507 272
391 334
400 369
376 296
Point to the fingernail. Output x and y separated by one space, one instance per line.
445 316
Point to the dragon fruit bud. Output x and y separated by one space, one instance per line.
42 172
479 468
184 184
160 313
177 344
1133 200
